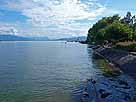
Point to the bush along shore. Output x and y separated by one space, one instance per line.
113 39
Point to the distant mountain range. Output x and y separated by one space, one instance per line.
21 38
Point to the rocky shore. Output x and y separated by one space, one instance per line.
107 90
111 88
119 59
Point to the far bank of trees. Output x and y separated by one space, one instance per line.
113 29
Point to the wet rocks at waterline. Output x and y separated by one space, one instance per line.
107 90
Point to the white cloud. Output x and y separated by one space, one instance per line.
58 16
8 29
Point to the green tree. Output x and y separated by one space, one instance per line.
117 31
113 28
94 34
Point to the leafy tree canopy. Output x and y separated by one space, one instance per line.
113 29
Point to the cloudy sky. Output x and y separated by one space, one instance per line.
57 18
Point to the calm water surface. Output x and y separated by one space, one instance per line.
44 71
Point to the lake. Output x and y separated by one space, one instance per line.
47 71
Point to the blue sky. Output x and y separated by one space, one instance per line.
57 18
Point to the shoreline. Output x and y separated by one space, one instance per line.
109 88
119 60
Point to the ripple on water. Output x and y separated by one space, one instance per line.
47 71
